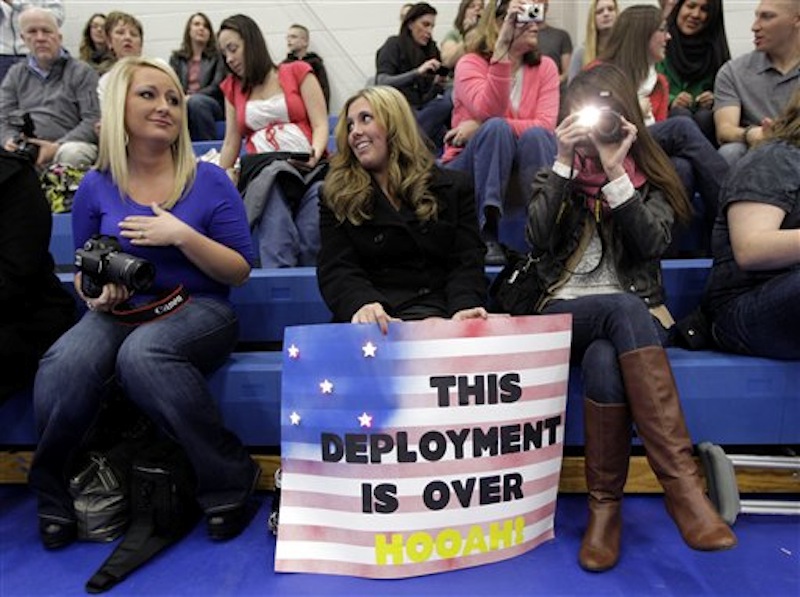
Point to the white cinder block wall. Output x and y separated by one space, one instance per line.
346 33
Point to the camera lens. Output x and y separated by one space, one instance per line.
608 127
135 274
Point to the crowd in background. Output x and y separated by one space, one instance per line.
405 212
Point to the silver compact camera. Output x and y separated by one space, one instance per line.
531 13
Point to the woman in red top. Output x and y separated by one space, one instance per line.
637 43
280 112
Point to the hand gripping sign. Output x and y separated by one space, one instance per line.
433 448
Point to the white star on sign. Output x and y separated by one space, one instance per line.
326 387
365 420
369 349
295 418
294 352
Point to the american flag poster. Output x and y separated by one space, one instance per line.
433 448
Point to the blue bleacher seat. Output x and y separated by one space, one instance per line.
275 298
728 399
201 147
61 247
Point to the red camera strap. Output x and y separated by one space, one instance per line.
162 307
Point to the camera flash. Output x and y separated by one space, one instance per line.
588 116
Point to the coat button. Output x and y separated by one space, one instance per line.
423 291
379 237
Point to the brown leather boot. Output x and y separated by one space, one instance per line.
656 410
607 434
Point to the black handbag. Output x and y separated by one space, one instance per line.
100 487
163 510
517 289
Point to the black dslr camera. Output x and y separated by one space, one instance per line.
26 131
101 261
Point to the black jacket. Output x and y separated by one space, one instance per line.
212 71
636 233
395 260
34 309
400 56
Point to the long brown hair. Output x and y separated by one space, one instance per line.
619 95
629 39
186 51
87 47
348 186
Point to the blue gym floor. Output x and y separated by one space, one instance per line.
654 562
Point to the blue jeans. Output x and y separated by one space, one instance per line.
604 327
703 118
492 153
764 321
697 162
732 152
288 235
434 118
204 111
160 366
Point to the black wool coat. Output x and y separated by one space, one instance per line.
400 262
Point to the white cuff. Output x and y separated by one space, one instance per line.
618 191
563 170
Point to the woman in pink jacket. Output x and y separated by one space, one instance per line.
505 106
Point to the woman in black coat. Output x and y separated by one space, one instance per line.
399 235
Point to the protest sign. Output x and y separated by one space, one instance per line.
435 447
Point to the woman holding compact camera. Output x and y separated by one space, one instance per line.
186 219
280 111
505 98
599 221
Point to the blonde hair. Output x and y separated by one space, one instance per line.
348 186
483 36
590 49
113 153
